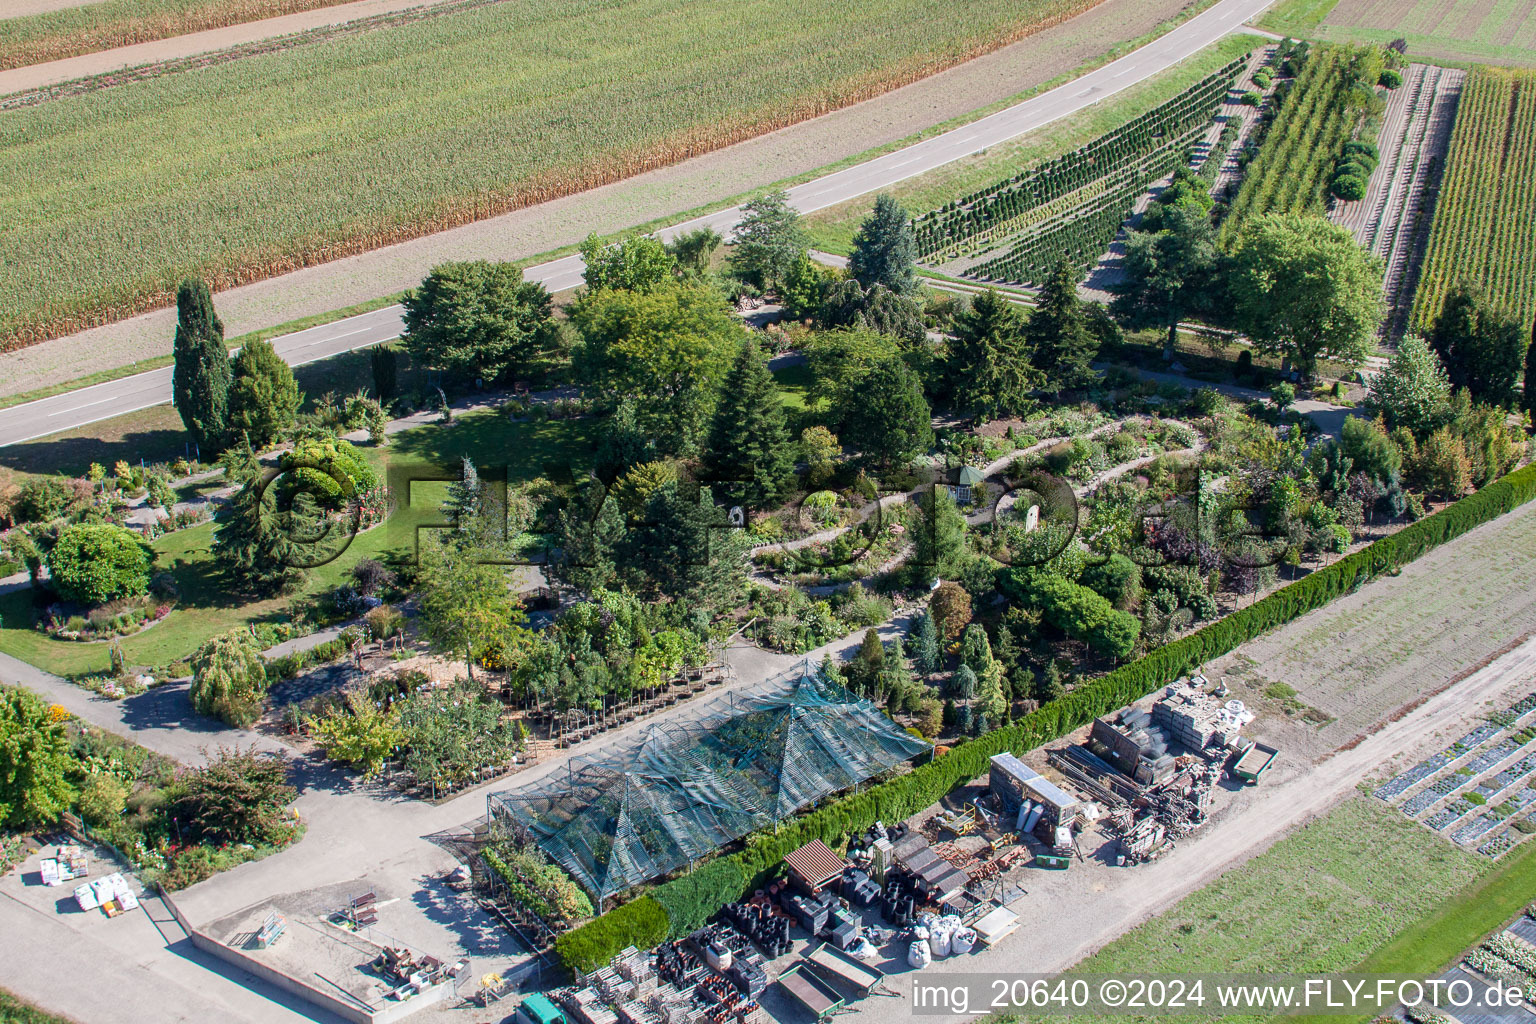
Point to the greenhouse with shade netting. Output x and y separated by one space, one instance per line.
684 789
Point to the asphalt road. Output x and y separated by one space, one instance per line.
103 401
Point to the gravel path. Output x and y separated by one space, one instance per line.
793 151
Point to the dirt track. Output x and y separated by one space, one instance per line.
24 8
708 179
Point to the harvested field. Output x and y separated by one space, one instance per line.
1393 218
111 23
1485 31
223 173
1366 656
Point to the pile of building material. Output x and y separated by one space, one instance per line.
1166 813
1198 720
1139 743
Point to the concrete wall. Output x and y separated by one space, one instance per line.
346 1009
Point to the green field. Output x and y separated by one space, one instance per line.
1438 31
266 163
54 35
206 608
1322 899
1295 18
832 229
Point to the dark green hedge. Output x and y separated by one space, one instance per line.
903 796
640 922
691 900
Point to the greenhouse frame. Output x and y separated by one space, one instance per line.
686 788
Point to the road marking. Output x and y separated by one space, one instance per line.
335 337
87 405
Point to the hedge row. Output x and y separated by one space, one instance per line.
634 923
640 922
691 900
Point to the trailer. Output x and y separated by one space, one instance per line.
865 979
1253 762
810 991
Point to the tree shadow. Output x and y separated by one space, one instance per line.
74 454
168 706
478 933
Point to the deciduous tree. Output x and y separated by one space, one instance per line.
768 241
1482 348
1168 271
477 319
229 679
1303 288
638 263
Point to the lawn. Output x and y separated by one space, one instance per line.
269 162
1320 900
1439 31
558 449
17 1011
794 384
832 229
1295 18
1460 922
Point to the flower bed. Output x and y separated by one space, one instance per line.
115 619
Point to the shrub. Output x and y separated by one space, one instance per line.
642 922
1348 187
1252 98
1390 78
102 798
229 680
691 900
93 563
43 499
239 796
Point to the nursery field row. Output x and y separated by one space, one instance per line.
994 211
1487 203
259 166
1318 113
1087 231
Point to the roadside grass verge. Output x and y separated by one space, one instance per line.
145 365
535 100
1295 18
832 229
1430 945
15 1010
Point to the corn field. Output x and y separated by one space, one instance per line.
1484 226
1318 113
270 163
1019 202
111 23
